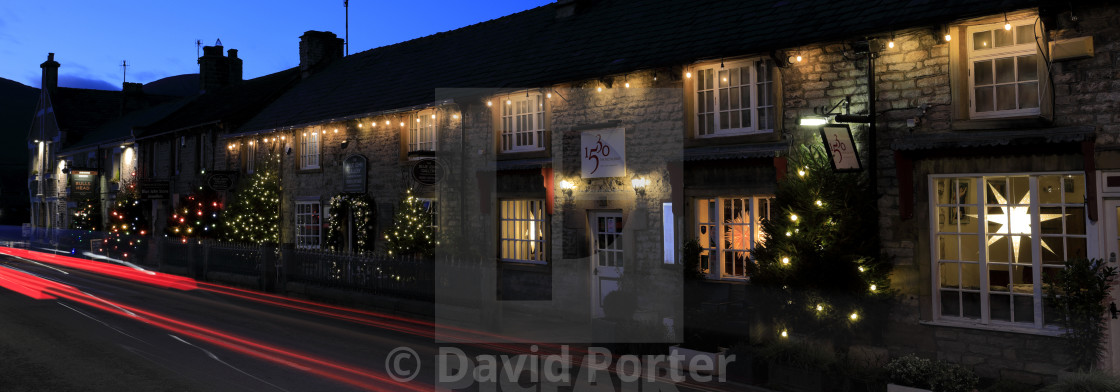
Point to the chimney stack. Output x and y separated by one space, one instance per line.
216 70
50 74
132 97
316 49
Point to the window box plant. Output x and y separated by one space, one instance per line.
912 374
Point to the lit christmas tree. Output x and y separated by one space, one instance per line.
87 216
127 224
254 214
412 231
360 207
197 216
820 266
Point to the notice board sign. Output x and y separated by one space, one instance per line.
220 180
83 183
155 190
427 172
354 174
841 148
603 153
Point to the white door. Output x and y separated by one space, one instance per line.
1111 214
606 257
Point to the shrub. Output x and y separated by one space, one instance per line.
1095 381
1079 291
798 354
937 376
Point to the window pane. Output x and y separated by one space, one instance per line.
733 97
1000 307
1053 251
971 305
999 277
723 120
970 248
1050 220
1022 279
1005 70
1075 247
724 102
1075 220
950 275
1003 38
950 303
948 247
723 79
984 99
1024 309
1049 189
1074 187
982 40
970 276
745 97
1024 34
1028 95
1028 67
983 73
734 74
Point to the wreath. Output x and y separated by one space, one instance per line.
365 222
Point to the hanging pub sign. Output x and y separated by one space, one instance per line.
220 180
603 153
83 183
427 172
354 174
155 189
841 148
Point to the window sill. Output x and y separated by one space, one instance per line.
1045 331
513 155
522 262
309 170
738 138
1000 123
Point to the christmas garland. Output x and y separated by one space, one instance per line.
365 222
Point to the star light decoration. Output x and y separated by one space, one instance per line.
1015 221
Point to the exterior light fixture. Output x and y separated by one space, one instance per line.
639 185
1006 24
812 121
489 103
688 75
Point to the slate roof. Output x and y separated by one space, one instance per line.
534 48
231 105
122 127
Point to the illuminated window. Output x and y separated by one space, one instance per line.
728 230
422 132
309 150
308 224
1003 69
522 122
523 231
734 98
999 240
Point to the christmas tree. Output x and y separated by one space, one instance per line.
87 216
196 216
127 224
363 222
412 230
254 214
820 267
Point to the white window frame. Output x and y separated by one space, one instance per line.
308 224
522 122
309 149
758 209
433 211
422 131
709 107
1014 52
523 231
982 208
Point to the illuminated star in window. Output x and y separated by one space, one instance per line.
1016 221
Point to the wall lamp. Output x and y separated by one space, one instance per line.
567 187
345 143
639 185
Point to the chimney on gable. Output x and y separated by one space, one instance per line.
215 70
316 49
132 97
50 74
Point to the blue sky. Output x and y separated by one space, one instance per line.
157 38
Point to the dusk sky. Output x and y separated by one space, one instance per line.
157 38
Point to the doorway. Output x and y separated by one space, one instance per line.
606 257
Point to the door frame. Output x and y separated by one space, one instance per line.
594 279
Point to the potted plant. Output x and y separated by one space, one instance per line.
912 374
1079 292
